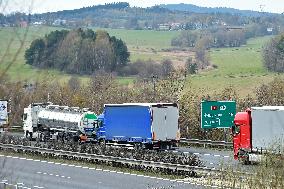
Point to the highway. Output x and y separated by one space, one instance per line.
212 157
31 173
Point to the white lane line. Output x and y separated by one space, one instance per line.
63 176
207 154
85 167
92 168
64 164
78 166
50 162
38 187
8 156
71 165
69 177
29 159
226 156
43 161
57 175
23 158
112 171
98 169
216 155
106 170
50 174
1 155
15 157
196 153
57 163
37 160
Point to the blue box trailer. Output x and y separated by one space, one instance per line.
144 123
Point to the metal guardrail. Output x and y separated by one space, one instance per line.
206 142
111 159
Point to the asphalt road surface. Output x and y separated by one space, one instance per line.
30 173
212 157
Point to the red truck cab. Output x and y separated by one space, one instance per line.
242 135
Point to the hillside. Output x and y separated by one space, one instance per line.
209 10
241 68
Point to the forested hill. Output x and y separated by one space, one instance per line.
198 9
164 17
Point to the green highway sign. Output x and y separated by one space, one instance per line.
217 114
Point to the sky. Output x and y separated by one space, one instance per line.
40 6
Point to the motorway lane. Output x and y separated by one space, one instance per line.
212 157
43 174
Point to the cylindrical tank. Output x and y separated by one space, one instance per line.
70 119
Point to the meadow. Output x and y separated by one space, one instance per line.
240 67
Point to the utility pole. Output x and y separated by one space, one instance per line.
154 85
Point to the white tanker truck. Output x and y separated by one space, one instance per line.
46 121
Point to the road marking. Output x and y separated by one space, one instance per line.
50 162
43 161
216 155
207 154
57 163
15 157
85 167
37 160
38 187
226 156
78 166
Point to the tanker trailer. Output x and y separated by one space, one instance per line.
59 122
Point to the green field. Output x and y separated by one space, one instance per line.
142 45
238 67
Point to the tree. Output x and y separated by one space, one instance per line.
167 67
78 51
273 54
191 67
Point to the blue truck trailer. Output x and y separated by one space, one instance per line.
151 125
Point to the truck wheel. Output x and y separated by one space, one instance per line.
102 142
